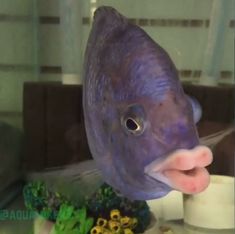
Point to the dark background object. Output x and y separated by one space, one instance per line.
224 157
11 151
217 102
55 131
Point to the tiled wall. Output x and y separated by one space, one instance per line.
180 26
18 57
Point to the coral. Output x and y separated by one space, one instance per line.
116 224
113 213
39 199
72 221
106 200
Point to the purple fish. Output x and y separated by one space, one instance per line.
139 122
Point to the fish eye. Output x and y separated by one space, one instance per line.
132 125
133 120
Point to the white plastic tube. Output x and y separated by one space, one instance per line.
215 43
213 208
71 40
169 207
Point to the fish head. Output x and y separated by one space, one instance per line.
140 124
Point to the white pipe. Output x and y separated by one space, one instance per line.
71 40
219 21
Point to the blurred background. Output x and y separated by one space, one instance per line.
45 39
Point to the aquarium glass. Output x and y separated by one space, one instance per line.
18 60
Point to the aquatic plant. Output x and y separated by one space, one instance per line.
105 200
35 195
39 199
53 206
72 221
72 218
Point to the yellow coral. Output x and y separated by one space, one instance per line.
126 222
134 223
101 222
128 231
97 230
115 215
107 231
115 226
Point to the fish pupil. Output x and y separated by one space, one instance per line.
131 124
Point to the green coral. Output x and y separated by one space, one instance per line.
55 207
39 199
35 195
105 200
72 221
72 218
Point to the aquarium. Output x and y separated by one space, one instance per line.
19 62
117 116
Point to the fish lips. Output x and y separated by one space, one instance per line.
183 170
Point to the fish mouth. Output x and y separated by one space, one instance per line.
183 170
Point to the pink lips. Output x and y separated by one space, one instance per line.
183 170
